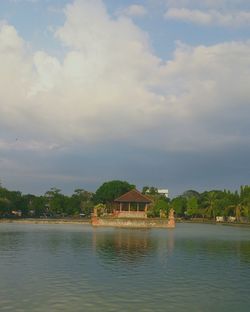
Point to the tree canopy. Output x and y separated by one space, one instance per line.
108 191
191 203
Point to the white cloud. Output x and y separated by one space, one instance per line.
209 93
195 16
110 85
107 73
207 4
134 10
210 17
20 1
26 145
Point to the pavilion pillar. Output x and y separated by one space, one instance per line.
128 206
137 207
120 207
146 210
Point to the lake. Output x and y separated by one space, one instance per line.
195 267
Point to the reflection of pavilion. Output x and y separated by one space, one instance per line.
125 245
131 246
132 204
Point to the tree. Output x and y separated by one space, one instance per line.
5 207
242 203
38 205
192 206
145 189
81 202
161 207
5 203
245 198
225 200
191 193
179 204
149 190
56 202
108 191
210 202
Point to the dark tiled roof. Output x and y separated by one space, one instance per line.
133 196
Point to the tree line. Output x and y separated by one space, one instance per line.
190 204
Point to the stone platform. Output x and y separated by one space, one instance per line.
132 222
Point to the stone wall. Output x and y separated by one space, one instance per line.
130 214
132 222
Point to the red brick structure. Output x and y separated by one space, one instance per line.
132 204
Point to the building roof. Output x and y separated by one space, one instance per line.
133 196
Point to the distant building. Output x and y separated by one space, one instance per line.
163 192
16 213
231 219
220 219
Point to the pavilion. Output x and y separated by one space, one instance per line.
132 204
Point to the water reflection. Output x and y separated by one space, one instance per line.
128 246
244 252
132 246
215 249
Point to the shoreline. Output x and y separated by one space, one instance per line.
46 221
88 221
215 223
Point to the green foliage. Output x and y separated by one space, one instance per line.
56 202
159 207
11 200
191 193
5 207
109 191
150 190
100 209
192 206
179 204
81 202
53 203
37 206
208 204
241 204
211 203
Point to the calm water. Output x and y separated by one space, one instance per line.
78 268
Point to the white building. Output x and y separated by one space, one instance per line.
163 192
220 219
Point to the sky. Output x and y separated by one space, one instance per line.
154 92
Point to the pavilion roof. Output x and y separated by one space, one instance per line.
133 196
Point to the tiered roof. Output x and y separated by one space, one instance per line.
133 196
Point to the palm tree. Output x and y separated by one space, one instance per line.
238 207
211 202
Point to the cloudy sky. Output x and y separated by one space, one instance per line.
155 92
